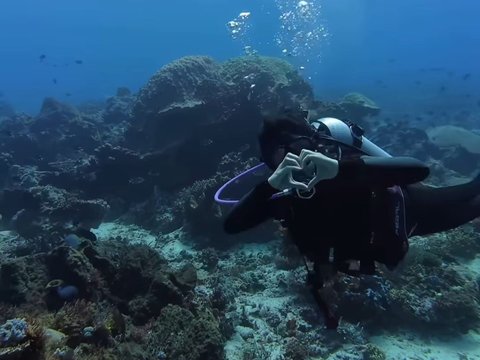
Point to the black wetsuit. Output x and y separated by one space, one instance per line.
352 214
345 211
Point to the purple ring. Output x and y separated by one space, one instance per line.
219 192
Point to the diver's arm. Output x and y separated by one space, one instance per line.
252 210
382 171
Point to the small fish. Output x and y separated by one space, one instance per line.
67 292
54 80
68 94
466 76
391 60
72 240
79 62
42 57
442 89
418 82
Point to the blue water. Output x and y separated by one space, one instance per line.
409 56
373 46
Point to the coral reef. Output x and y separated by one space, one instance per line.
118 107
13 332
60 129
109 280
455 136
6 110
46 212
427 294
20 340
359 106
194 92
271 83
23 280
160 280
194 336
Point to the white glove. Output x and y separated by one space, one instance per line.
322 167
282 178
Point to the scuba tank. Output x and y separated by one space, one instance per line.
348 134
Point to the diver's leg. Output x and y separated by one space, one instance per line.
431 210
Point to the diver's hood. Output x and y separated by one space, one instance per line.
350 135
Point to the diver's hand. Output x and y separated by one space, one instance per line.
322 167
282 178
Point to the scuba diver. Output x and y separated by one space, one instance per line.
346 203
